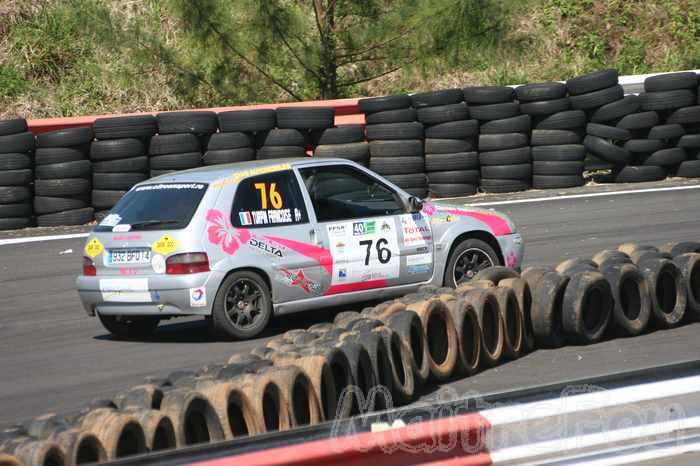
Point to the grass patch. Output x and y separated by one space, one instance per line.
80 57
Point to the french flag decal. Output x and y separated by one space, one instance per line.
245 217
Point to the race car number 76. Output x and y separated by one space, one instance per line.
383 253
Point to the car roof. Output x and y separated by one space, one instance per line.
212 173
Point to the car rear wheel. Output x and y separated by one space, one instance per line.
468 258
242 307
129 327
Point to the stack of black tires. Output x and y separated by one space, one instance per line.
396 142
62 177
611 123
557 135
504 149
238 132
451 160
178 144
119 158
16 147
295 130
235 140
674 96
345 142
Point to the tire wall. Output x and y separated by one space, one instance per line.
444 143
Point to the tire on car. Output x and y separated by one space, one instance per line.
489 258
261 299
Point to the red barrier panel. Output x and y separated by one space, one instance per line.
346 112
450 441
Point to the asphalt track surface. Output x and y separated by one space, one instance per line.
53 358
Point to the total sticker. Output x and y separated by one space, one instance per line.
198 297
94 248
158 263
165 245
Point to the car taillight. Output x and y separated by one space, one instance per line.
188 262
89 267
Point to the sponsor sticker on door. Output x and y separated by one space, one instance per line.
416 230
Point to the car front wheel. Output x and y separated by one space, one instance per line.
468 258
243 306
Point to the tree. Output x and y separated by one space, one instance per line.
311 49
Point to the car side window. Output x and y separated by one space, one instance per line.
340 192
273 199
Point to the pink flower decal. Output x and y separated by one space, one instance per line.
428 209
220 231
512 259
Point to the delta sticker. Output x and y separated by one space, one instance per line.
165 245
198 297
94 248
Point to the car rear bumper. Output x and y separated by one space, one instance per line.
149 295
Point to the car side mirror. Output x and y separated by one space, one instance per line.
414 204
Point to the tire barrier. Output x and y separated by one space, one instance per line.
450 143
62 159
345 142
396 141
504 153
379 357
16 175
119 158
443 143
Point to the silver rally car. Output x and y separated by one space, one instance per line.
244 241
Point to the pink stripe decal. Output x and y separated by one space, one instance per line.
496 224
320 255
359 286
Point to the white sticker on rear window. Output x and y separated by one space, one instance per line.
111 220
121 228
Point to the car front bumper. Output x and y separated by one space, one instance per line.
513 250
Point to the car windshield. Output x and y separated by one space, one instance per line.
160 206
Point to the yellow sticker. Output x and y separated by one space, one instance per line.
165 245
239 175
94 248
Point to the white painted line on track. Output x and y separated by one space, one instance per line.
35 239
583 196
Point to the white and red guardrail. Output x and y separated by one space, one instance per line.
586 424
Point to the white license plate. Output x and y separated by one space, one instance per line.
130 256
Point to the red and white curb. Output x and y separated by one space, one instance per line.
586 425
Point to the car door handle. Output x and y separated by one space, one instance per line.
314 238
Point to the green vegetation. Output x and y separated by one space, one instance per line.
80 57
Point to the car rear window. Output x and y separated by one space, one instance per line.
158 206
